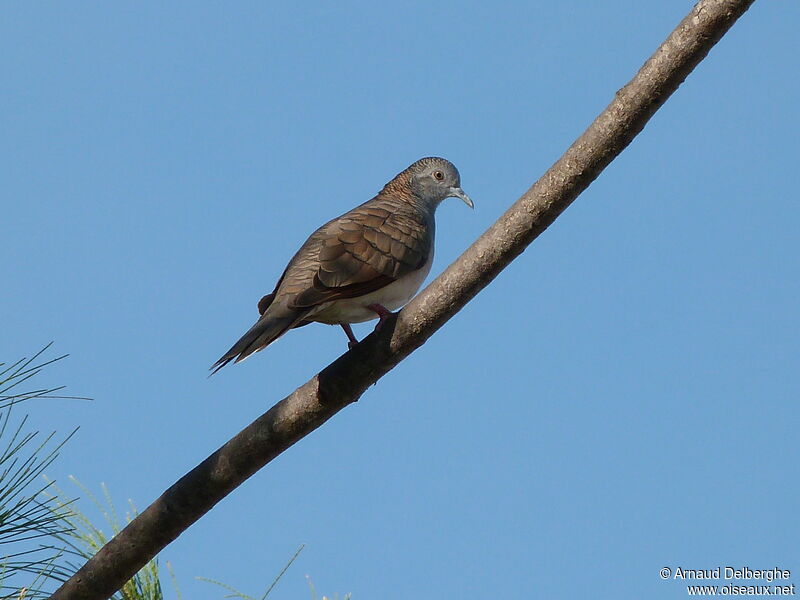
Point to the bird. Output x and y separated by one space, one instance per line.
361 265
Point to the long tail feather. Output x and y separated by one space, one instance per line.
266 330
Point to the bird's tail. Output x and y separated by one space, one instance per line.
266 330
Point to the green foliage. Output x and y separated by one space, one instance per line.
234 593
314 592
30 523
83 539
44 538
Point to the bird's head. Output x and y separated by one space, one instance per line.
434 179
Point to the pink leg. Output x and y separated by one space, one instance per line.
383 314
350 335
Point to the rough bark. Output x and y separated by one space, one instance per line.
343 381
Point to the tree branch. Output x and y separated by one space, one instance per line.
343 382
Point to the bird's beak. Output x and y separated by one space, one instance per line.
457 192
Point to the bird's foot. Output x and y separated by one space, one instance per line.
353 341
382 312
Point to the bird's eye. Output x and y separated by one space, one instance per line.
438 175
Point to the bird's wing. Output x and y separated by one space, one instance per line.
363 251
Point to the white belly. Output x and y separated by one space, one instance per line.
392 296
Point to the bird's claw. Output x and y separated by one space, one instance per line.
382 312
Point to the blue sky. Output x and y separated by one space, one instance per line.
622 398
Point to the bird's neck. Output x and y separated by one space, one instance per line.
400 190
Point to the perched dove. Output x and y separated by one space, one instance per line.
359 266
